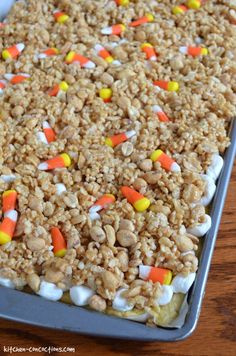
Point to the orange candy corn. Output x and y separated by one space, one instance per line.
149 50
9 200
73 57
102 203
145 19
16 78
58 242
60 16
166 162
2 86
113 30
166 85
13 52
60 161
117 139
180 9
58 89
104 54
155 274
194 51
122 2
139 202
160 113
50 52
49 133
7 227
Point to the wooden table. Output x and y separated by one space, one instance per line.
216 331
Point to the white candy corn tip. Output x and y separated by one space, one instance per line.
209 190
43 166
156 108
89 65
120 303
153 58
201 229
94 216
20 47
106 31
175 168
80 295
41 56
11 214
6 282
46 125
98 48
166 296
60 188
183 50
182 284
42 138
50 291
116 63
215 167
8 178
130 133
3 82
144 271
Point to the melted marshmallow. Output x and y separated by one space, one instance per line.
215 168
209 192
166 296
201 229
80 295
120 303
50 291
6 282
182 284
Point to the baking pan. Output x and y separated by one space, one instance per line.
31 309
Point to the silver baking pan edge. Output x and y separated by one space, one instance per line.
31 309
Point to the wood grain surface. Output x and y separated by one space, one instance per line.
215 333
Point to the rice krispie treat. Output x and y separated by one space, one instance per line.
113 120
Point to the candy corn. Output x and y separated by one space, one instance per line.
113 30
49 133
2 86
104 54
117 139
122 2
160 113
7 227
84 62
58 242
102 203
169 86
194 51
48 53
145 19
60 16
61 161
58 89
166 162
41 137
13 52
150 51
139 202
105 94
155 274
194 4
8 178
180 9
16 78
9 200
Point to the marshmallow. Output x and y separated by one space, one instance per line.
182 284
142 318
61 188
201 229
8 178
166 296
80 295
209 190
215 168
120 303
50 291
6 282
